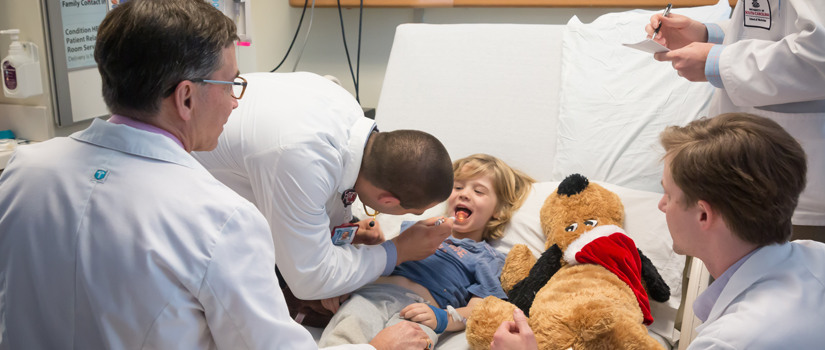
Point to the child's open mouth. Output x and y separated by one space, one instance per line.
462 214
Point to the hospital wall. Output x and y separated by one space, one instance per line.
273 27
26 15
274 24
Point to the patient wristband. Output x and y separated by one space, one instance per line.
455 315
440 319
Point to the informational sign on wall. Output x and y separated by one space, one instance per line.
114 3
81 19
71 33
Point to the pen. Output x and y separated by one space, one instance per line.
667 12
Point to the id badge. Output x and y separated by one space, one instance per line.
757 13
344 234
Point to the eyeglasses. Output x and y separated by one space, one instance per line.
238 86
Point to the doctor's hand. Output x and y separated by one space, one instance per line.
369 235
677 31
422 239
334 303
689 61
403 335
514 335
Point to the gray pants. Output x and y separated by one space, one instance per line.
367 311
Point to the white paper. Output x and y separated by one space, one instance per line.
648 45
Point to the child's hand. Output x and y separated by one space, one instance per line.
369 235
421 313
334 303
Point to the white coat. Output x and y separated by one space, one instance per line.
292 147
780 73
775 300
117 238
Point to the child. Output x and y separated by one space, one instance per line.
440 291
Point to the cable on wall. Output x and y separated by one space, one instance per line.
306 37
355 79
358 57
300 21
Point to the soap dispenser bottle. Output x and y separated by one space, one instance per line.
21 68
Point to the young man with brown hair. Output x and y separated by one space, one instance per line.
731 186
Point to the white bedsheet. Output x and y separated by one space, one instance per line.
496 88
643 222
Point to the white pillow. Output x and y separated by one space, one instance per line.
643 222
614 100
470 85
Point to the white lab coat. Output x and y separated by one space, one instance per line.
780 73
775 300
292 147
156 254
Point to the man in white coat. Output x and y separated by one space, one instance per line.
116 238
769 60
731 184
301 149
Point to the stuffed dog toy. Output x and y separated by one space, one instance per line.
588 290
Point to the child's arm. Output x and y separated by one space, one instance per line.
426 315
458 325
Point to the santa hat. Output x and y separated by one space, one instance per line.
610 247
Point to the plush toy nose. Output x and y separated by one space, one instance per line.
573 184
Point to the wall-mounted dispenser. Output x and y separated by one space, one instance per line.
21 68
239 11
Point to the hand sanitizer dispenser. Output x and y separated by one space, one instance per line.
21 68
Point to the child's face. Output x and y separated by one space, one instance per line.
476 197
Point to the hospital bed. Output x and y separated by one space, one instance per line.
553 100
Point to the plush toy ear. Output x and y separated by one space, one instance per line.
657 289
525 291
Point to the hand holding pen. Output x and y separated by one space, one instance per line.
687 40
675 31
658 27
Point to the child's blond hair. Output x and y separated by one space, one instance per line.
510 185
